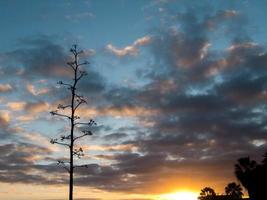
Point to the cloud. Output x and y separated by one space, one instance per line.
92 84
37 107
115 136
39 56
28 111
4 119
15 106
36 92
5 88
8 130
43 141
131 50
88 53
26 118
118 147
31 109
212 22
115 111
19 164
130 111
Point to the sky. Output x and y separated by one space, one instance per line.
178 90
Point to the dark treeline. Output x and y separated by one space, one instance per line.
252 176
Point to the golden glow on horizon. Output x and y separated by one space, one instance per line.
181 195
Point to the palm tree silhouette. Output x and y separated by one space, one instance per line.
253 176
234 190
245 172
264 161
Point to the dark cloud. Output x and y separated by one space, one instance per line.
115 136
214 114
40 57
19 164
92 84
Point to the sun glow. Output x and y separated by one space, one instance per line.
182 195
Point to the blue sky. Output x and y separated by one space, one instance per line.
178 89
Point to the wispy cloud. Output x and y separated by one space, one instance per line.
131 50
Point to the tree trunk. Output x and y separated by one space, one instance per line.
71 175
72 128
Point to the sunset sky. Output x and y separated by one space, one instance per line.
178 89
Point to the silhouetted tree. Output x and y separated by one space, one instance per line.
244 170
264 161
69 112
207 193
253 177
234 190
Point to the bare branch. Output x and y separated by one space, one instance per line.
62 83
84 63
90 123
85 133
80 101
64 137
76 166
80 52
74 49
55 141
76 117
71 64
60 106
55 112
78 96
78 152
62 164
80 76
82 73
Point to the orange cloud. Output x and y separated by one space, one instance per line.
30 107
40 139
120 147
15 106
32 90
4 118
125 111
5 88
26 118
129 50
37 107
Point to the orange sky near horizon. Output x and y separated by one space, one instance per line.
58 192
